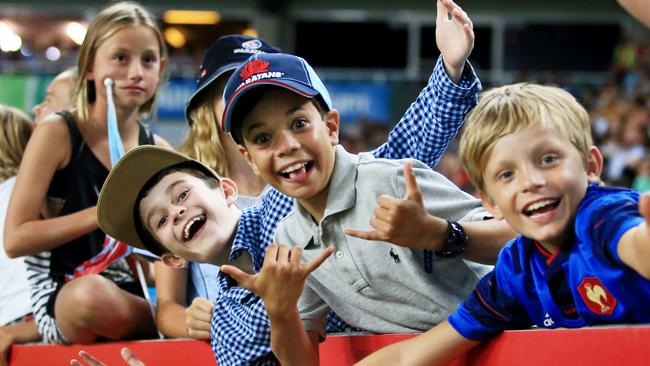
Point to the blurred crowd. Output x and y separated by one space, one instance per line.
620 115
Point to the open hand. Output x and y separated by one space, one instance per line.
199 314
281 281
405 221
454 37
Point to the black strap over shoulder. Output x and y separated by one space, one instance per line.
146 136
76 140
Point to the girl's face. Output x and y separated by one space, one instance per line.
131 57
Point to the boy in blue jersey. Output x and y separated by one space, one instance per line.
583 257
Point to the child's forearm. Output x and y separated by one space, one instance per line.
486 238
634 249
38 235
24 332
438 346
291 344
634 246
171 292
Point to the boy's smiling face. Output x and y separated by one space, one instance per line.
535 179
189 218
290 145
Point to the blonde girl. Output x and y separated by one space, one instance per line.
51 215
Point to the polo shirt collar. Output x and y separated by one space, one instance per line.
341 196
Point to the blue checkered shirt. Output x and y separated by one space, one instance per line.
240 328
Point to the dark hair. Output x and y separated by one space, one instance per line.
188 167
249 100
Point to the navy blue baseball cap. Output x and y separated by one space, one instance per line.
278 69
225 54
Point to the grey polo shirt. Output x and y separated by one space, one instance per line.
373 285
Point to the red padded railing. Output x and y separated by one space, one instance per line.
602 346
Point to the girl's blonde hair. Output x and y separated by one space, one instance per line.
513 108
16 130
102 27
203 141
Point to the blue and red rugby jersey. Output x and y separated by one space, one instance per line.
584 284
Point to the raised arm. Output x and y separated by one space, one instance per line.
634 246
25 232
434 118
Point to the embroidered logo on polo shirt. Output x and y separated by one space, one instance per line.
597 298
394 256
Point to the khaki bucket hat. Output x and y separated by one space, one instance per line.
116 211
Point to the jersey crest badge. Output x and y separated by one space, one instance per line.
597 298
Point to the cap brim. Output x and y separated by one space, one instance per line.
115 207
195 96
293 86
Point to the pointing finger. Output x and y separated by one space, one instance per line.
316 262
365 235
242 278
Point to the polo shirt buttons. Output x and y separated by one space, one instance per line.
339 254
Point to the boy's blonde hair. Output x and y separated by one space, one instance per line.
203 141
512 108
16 130
102 27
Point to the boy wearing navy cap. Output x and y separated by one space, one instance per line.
583 257
281 114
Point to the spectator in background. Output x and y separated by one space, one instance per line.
16 322
16 317
624 150
642 180
59 95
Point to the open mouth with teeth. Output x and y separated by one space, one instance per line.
193 226
297 172
541 207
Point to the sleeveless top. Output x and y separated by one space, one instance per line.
77 187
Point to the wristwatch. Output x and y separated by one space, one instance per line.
455 243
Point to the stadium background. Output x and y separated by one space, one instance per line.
374 56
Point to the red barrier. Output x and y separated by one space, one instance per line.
602 346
